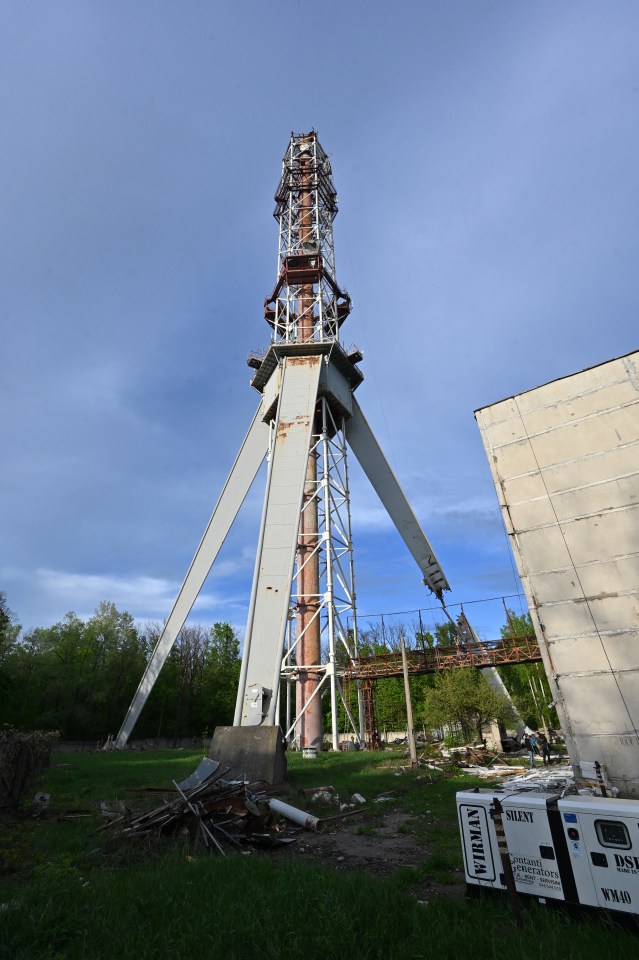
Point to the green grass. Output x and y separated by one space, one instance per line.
240 908
65 900
79 781
367 773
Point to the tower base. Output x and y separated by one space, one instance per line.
254 752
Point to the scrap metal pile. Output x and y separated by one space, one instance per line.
208 810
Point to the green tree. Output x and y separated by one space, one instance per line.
197 687
444 635
527 683
53 665
191 652
9 633
462 698
223 676
116 654
9 628
517 625
78 677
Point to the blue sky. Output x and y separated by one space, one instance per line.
485 155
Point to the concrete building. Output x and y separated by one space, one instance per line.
565 463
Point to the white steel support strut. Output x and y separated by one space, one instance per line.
362 442
269 610
243 471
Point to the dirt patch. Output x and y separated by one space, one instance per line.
378 848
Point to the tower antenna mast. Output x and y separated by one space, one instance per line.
303 594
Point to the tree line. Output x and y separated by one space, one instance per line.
79 677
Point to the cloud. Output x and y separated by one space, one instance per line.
146 598
142 596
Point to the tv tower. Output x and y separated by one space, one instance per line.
302 615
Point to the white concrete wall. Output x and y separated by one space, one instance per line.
565 462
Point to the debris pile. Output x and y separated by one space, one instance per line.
219 814
544 781
329 797
210 810
476 760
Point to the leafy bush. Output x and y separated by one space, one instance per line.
24 755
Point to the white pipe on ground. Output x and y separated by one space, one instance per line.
300 817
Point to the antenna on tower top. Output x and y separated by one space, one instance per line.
306 303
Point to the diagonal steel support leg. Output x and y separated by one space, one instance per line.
243 471
271 593
364 445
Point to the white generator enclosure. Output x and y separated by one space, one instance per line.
603 844
565 463
529 838
580 850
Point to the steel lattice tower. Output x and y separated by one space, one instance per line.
303 584
307 306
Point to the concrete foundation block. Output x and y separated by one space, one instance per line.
257 752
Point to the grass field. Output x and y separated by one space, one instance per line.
64 897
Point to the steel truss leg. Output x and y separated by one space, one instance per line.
364 445
240 478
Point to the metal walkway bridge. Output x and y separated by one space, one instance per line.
480 655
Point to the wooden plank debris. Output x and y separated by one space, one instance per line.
213 812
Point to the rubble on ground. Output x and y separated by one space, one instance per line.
218 814
209 810
215 812
478 760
